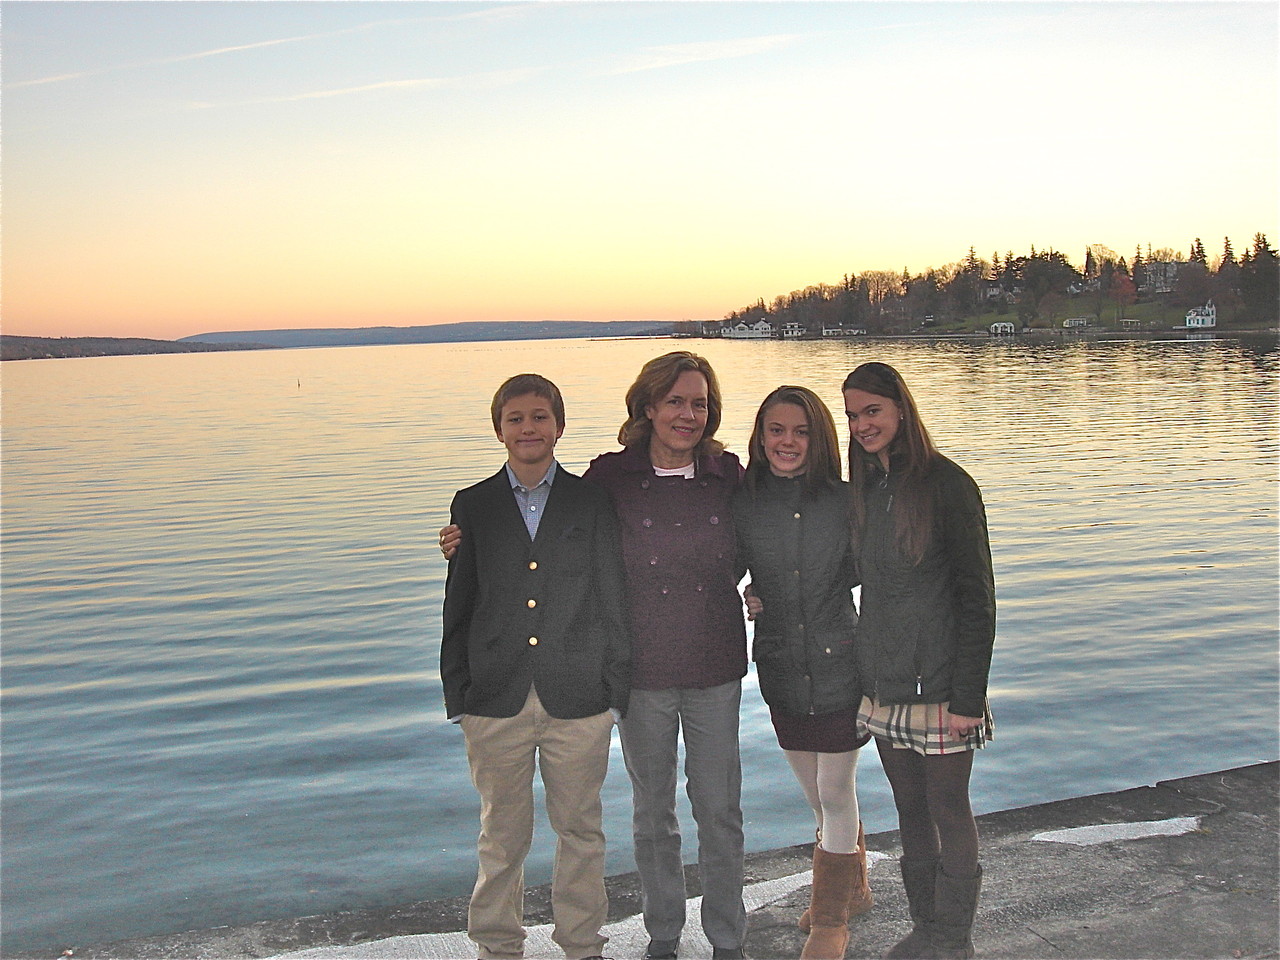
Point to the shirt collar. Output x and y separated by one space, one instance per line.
548 479
635 459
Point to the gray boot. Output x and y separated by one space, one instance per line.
955 904
918 877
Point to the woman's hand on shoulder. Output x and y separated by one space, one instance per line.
450 537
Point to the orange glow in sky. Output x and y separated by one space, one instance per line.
172 169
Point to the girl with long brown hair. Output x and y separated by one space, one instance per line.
792 519
925 637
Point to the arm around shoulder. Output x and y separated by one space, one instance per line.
612 607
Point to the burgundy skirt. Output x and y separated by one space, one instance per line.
823 733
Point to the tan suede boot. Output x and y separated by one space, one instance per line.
860 900
803 922
829 905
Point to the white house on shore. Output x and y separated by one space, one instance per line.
760 330
1202 318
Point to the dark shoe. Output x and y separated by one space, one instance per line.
955 904
661 950
918 879
727 953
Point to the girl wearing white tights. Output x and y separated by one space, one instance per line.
792 517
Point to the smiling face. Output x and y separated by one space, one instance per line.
785 438
679 420
527 428
873 422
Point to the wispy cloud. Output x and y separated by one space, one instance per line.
203 54
422 82
478 81
674 55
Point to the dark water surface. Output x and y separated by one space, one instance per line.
221 600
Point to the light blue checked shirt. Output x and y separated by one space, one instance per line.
532 501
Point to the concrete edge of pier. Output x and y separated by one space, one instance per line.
1184 868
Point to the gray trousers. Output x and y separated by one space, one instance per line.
713 770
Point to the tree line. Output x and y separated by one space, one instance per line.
1036 287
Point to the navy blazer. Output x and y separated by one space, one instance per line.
550 611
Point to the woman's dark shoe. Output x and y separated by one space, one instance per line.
661 950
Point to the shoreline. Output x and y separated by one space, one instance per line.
1208 890
18 347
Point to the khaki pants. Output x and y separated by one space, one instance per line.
573 756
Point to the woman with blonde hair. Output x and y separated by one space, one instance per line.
672 485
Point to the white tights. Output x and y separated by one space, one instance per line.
829 782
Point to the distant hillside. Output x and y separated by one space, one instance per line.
444 333
45 348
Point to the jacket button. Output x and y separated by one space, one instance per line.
828 650
532 603
644 484
533 641
533 564
665 591
653 561
714 521
646 522
796 516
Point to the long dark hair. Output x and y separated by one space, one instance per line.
912 453
822 467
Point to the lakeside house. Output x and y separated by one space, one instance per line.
1003 328
1201 318
760 330
1073 323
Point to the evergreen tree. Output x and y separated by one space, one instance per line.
1260 282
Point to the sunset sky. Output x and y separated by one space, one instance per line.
177 168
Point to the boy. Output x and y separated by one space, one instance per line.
536 662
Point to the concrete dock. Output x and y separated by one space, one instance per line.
1184 868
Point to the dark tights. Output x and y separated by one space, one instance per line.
934 816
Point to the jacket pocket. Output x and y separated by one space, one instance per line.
898 691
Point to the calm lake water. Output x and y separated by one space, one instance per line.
221 603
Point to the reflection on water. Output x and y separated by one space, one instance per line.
221 602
